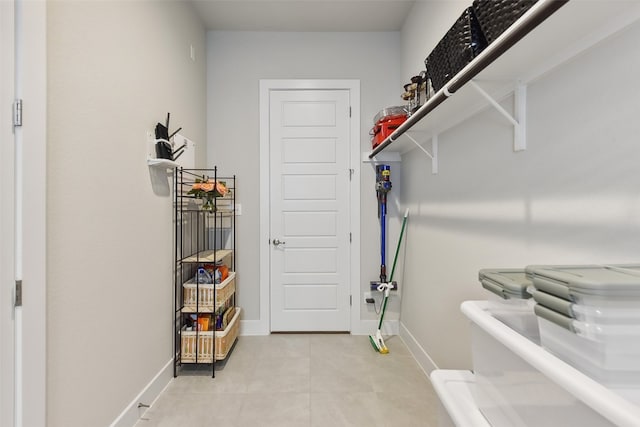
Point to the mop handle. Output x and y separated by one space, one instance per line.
384 308
395 258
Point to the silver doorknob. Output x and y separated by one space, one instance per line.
277 242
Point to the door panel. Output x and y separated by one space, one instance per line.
309 150
300 224
308 114
310 297
309 188
310 260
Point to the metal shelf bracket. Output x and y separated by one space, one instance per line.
433 155
518 120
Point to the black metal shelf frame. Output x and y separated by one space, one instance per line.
196 231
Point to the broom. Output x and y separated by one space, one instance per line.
377 341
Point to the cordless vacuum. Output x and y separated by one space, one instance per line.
383 186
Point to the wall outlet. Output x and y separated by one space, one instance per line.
368 298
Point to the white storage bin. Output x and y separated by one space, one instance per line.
457 407
518 383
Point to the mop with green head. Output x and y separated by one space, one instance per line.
377 342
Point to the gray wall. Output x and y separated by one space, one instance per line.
571 197
236 63
114 70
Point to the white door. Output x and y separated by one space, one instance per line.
309 214
7 275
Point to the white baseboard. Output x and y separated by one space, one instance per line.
422 357
253 327
369 327
364 327
131 414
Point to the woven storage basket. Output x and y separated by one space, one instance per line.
226 338
197 346
495 16
463 42
437 64
200 298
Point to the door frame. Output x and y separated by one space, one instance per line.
262 326
31 86
7 219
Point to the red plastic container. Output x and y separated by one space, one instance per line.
385 127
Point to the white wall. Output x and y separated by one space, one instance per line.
571 197
423 28
114 70
236 63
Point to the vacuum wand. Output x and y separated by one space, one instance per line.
383 186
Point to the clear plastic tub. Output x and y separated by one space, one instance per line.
388 112
518 383
605 348
620 314
518 314
510 301
607 315
591 359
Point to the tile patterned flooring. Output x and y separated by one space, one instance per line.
302 380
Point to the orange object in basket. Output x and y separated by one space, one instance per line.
224 272
203 323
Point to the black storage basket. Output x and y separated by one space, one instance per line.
463 42
437 64
495 16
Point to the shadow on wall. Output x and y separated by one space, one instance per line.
159 182
563 223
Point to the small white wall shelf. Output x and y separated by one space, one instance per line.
162 163
186 160
152 160
572 29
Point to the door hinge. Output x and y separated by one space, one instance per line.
17 113
349 111
350 237
18 302
350 300
351 172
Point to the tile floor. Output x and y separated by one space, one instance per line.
302 380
